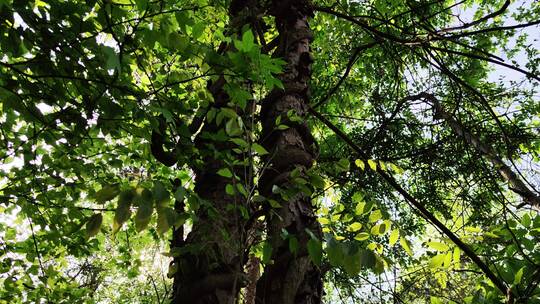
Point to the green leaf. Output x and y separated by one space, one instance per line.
274 203
438 246
406 245
435 300
225 172
491 234
228 112
123 211
372 164
159 193
93 225
198 29
315 251
323 220
472 229
258 198
144 213
526 220
361 236
334 251
317 181
266 252
456 257
107 193
360 164
295 173
352 260
180 194
240 142
382 165
436 261
447 260
375 215
113 60
379 229
360 208
354 227
183 18
367 258
242 189
518 276
229 189
247 41
376 229
211 114
385 226
238 96
259 149
180 219
396 169
121 215
141 5
232 128
343 165
394 236
163 224
293 244
357 197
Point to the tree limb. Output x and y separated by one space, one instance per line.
516 184
419 207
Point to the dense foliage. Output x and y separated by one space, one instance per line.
425 118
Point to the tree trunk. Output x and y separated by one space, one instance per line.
292 277
253 276
210 261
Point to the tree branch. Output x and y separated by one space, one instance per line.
474 56
350 64
516 184
485 18
419 207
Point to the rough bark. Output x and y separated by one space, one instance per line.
210 261
209 265
516 183
253 276
292 278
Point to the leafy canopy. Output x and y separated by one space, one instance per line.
86 209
